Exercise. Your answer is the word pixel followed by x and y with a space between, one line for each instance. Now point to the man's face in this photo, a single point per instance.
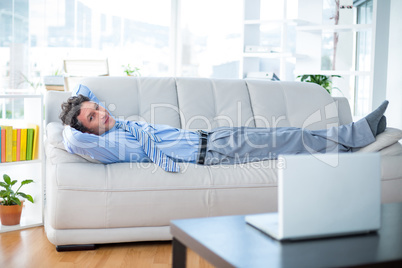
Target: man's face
pixel 95 118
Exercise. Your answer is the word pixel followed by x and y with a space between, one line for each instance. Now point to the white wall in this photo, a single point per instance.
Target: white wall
pixel 394 76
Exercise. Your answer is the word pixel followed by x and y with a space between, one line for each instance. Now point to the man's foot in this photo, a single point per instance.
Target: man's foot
pixel 382 125
pixel 374 118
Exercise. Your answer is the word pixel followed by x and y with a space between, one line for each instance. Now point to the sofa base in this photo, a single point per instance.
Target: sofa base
pixel 79 237
pixel 62 248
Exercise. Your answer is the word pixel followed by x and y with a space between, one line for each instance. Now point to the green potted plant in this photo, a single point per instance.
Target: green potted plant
pixel 11 206
pixel 35 84
pixel 131 71
pixel 322 80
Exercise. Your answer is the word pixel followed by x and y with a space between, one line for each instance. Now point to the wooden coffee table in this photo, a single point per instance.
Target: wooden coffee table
pixel 229 242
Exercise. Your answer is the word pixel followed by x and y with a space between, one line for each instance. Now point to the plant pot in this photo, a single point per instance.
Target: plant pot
pixel 10 215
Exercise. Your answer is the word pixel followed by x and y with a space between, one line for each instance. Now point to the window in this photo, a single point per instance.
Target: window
pixel 36 36
pixel 13 42
pixel 211 38
pixel 125 32
pixel 363 58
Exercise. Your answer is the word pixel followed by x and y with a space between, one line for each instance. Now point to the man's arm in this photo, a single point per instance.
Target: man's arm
pixel 111 147
pixel 85 91
pixel 99 148
pixel 107 149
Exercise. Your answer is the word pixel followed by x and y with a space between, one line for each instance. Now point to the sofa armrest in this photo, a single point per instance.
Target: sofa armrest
pixel 383 140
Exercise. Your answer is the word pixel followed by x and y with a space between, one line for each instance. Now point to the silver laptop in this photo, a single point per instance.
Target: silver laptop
pixel 324 195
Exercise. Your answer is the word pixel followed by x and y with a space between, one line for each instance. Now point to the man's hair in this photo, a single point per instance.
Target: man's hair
pixel 71 110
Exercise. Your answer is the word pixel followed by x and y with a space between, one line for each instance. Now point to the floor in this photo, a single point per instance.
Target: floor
pixel 30 248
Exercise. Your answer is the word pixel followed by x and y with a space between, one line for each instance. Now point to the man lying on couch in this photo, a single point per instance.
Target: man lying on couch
pixel 95 132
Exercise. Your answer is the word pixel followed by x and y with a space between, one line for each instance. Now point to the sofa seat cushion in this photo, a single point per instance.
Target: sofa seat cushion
pixel 130 195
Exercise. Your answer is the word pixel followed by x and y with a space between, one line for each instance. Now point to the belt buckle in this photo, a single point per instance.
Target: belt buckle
pixel 203 134
pixel 203 146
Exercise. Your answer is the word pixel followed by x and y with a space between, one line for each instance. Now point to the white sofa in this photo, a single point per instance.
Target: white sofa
pixel 91 203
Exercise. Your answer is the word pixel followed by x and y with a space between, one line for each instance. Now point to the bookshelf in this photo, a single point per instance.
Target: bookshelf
pixel 19 110
pixel 296 37
pixel 344 48
pixel 269 39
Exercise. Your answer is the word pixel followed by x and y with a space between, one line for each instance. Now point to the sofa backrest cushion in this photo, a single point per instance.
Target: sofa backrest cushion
pixel 308 105
pixel 209 103
pixel 201 103
pixel 145 99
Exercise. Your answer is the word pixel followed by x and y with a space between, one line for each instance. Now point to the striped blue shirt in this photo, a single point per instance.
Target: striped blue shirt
pixel 117 145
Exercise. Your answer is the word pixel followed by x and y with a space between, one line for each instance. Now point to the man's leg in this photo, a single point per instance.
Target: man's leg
pixel 354 135
pixel 382 125
pixel 240 145
pixel 375 119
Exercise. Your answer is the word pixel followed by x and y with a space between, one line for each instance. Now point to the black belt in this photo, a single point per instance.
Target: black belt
pixel 203 146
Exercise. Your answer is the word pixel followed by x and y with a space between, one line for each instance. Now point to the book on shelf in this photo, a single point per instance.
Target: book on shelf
pixel 9 143
pixel 3 144
pixel 35 141
pixel 30 133
pixel 0 144
pixel 257 49
pixel 18 153
pixel 54 87
pixel 19 144
pixel 263 75
pixel 14 144
pixel 23 146
pixel 262 49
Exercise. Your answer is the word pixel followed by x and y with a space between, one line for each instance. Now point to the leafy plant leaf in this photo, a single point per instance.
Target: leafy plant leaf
pixel 9 196
pixel 8 192
pixel 2 193
pixel 26 196
pixel 322 80
pixel 6 179
pixel 15 200
pixel 30 198
pixel 26 182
